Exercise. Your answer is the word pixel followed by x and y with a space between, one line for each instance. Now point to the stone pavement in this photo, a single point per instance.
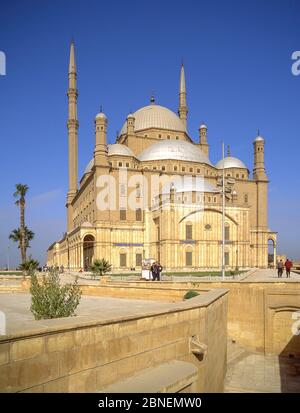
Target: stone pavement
pixel 264 275
pixel 256 373
pixel 16 307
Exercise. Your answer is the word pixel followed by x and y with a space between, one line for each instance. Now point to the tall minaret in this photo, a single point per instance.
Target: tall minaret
pixel 183 109
pixel 203 139
pixel 259 171
pixel 100 152
pixel 260 176
pixel 72 136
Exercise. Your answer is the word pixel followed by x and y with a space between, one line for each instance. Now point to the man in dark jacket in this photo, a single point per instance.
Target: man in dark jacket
pixel 288 265
pixel 156 269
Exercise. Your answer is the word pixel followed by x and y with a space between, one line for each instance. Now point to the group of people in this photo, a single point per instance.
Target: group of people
pixel 287 265
pixel 47 268
pixel 156 269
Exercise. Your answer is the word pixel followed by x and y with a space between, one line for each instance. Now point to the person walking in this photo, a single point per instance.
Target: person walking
pixel 279 268
pixel 288 265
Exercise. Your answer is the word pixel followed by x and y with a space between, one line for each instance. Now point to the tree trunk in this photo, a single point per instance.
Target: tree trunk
pixel 22 230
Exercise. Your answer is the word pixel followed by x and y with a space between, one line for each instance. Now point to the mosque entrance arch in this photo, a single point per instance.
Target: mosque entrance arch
pixel 88 251
pixel 271 253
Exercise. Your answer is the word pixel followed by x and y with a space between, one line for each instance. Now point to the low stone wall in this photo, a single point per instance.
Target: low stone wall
pixel 83 354
pixel 261 315
pixel 141 290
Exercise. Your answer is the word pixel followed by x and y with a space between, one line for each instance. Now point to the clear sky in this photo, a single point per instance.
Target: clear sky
pixel 237 57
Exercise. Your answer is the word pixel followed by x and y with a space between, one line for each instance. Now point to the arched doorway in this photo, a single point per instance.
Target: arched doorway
pixel 88 251
pixel 271 253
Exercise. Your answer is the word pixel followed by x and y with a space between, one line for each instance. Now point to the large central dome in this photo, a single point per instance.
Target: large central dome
pixel 174 149
pixel 155 116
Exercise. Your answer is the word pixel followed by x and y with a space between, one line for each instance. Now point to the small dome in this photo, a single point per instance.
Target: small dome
pixel 174 149
pixel 155 116
pixel 202 126
pixel 114 149
pixel 259 139
pixel 230 162
pixel 119 149
pixel 130 116
pixel 101 115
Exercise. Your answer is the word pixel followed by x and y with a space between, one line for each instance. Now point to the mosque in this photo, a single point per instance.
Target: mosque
pixel 154 193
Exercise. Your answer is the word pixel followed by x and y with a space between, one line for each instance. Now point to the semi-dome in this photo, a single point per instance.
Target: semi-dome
pixel 119 149
pixel 231 162
pixel 89 166
pixel 113 149
pixel 174 149
pixel 155 116
pixel 188 184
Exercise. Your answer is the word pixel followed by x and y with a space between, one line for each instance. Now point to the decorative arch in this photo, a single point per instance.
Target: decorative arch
pixel 211 210
pixel 272 252
pixel 88 250
pixel 189 256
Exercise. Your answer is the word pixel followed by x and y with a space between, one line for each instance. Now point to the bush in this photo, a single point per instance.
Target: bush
pixel 29 266
pixel 51 300
pixel 100 267
pixel 190 294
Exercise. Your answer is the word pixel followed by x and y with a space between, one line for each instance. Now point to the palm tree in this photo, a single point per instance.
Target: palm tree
pixel 100 267
pixel 20 193
pixel 29 266
pixel 15 236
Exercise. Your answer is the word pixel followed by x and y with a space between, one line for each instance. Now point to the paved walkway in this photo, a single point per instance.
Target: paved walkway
pixel 255 373
pixel 16 307
pixel 271 275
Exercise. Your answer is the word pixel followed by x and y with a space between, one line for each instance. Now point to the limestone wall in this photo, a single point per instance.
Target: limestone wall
pixel 81 354
pixel 261 315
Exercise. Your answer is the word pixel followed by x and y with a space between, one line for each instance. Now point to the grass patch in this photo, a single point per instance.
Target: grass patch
pixel 11 273
pixel 183 274
pixel 201 273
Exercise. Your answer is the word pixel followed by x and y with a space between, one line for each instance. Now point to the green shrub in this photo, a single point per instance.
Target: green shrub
pixel 100 267
pixel 29 266
pixel 190 294
pixel 51 300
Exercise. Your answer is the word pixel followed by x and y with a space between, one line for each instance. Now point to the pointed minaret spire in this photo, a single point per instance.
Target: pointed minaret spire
pixel 72 64
pixel 182 110
pixel 72 135
pixel 182 79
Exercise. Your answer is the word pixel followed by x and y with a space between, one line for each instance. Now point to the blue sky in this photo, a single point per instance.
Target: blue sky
pixel 237 58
